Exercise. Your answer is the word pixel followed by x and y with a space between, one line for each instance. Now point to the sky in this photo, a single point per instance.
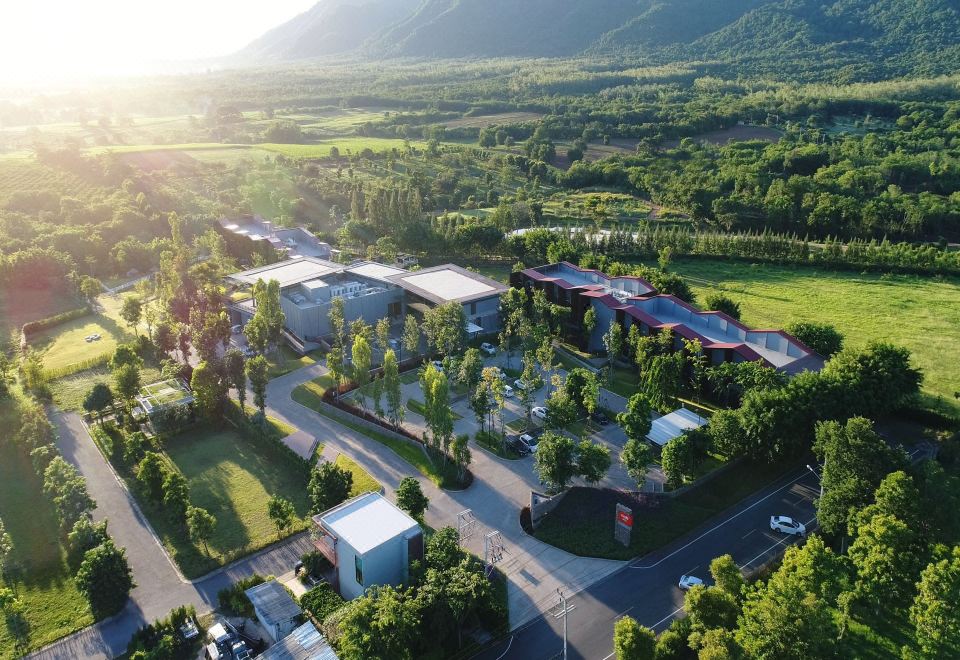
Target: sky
pixel 44 40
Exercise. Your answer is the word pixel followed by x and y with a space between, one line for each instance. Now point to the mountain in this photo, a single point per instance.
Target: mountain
pixel 913 35
pixel 330 27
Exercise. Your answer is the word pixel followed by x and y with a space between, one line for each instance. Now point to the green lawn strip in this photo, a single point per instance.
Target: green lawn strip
pixel 410 377
pixel 310 394
pixel 418 407
pixel 362 481
pixel 583 522
pixel 286 360
pixel 52 606
pixel 520 425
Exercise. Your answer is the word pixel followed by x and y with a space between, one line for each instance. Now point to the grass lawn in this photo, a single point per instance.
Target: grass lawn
pixel 286 360
pixel 418 407
pixel 310 395
pixel 583 522
pixel 921 313
pixel 362 481
pixel 233 479
pixel 18 307
pixel 492 443
pixel 52 606
pixel 410 377
pixel 69 391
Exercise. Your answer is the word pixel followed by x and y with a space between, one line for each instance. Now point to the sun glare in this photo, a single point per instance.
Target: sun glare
pixel 64 40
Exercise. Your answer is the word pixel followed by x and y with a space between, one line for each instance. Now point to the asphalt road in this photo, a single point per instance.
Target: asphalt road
pixel 646 589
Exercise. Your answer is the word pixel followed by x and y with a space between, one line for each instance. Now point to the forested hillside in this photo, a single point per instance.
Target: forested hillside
pixel 804 39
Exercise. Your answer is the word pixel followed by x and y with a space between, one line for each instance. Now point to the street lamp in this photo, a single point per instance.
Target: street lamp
pixel 819 478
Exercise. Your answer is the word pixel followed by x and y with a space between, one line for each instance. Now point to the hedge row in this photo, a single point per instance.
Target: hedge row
pixel 76 367
pixel 51 321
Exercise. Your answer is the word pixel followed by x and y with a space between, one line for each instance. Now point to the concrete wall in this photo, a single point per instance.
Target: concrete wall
pixel 388 563
pixel 346 571
pixel 541 505
pixel 485 313
pixel 311 320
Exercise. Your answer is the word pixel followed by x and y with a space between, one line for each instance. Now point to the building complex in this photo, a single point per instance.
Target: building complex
pixel 632 301
pixel 370 291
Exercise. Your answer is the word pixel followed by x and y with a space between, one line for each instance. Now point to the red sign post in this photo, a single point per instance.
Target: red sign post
pixel 623 524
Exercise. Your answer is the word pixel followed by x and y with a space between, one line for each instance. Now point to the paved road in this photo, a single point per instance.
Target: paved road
pixel 647 590
pixel 160 587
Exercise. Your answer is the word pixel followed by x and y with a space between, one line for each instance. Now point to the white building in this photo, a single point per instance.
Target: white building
pixel 369 541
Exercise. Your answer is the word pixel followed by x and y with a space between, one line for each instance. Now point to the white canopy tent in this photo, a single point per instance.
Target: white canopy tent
pixel 673 425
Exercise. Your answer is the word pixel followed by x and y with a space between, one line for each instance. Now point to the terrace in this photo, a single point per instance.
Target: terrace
pixel 166 393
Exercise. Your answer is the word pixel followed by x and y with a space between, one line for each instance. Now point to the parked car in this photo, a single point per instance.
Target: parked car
pixel 240 651
pixel 488 348
pixel 237 329
pixel 394 344
pixel 189 629
pixel 248 351
pixel 507 391
pixel 530 441
pixel 787 525
pixel 688 582
pixel 519 384
pixel 539 411
pixel 599 418
pixel 519 446
pixel 438 365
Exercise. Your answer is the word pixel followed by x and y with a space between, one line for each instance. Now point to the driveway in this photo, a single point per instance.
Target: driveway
pixel 534 570
pixel 160 587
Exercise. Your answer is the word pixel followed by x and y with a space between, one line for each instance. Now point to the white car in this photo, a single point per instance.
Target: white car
pixel 530 441
pixel 488 348
pixel 438 365
pixel 237 329
pixel 787 525
pixel 507 391
pixel 688 582
pixel 539 411
pixel 519 384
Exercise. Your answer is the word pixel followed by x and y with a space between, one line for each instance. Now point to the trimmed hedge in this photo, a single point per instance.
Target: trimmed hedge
pixel 76 367
pixel 321 601
pixel 31 327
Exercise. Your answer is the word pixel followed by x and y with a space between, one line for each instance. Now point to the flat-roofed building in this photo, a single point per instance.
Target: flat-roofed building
pixel 370 541
pixel 370 291
pixel 632 301
pixel 275 609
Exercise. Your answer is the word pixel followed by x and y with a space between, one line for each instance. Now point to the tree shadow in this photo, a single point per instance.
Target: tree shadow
pixel 19 629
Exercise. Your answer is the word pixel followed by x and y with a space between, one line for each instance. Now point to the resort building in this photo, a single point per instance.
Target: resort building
pixel 634 301
pixel 370 541
pixel 291 241
pixel 370 291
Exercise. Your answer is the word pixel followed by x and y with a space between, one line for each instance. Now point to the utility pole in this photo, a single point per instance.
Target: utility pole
pixel 563 604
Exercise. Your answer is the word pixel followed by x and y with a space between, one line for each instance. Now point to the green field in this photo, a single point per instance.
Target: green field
pixel 19 307
pixel 319 149
pixel 52 606
pixel 920 313
pixel 232 479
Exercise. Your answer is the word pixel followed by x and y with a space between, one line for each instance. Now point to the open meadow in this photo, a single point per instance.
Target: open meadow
pixel 920 313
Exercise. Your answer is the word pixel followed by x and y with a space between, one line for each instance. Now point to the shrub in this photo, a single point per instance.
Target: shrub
pixel 51 321
pixel 234 601
pixel 315 563
pixel 321 601
pixel 161 640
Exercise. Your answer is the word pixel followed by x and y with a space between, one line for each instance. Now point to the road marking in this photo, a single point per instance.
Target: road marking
pixel 785 538
pixel 748 534
pixel 669 616
pixel 719 525
pixel 507 650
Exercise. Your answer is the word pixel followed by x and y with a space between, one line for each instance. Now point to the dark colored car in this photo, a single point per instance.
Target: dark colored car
pixel 600 418
pixel 519 446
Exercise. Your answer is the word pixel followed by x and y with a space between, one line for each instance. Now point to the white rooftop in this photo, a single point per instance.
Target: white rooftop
pixel 448 284
pixel 375 270
pixel 367 521
pixel 671 426
pixel 289 272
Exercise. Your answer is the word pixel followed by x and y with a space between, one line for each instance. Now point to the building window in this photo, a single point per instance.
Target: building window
pixel 358 566
pixel 473 308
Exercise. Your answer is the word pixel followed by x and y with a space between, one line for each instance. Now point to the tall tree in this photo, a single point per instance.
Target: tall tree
pixel 556 460
pixel 105 579
pixel 383 623
pixel 885 556
pixel 593 461
pixel 98 399
pixel 631 641
pixel 209 391
pixel 329 486
pixel 127 381
pixel 460 449
pixel 446 328
pixel 200 526
pixel 821 337
pixel 362 356
pixel 411 499
pixel 281 513
pixel 934 613
pixel 411 336
pixel 131 311
pixel 392 387
pixel 235 366
pixel 258 371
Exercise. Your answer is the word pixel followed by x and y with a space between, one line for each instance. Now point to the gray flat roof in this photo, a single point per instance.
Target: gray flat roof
pixel 273 602
pixel 446 283
pixel 376 271
pixel 290 272
pixel 367 521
